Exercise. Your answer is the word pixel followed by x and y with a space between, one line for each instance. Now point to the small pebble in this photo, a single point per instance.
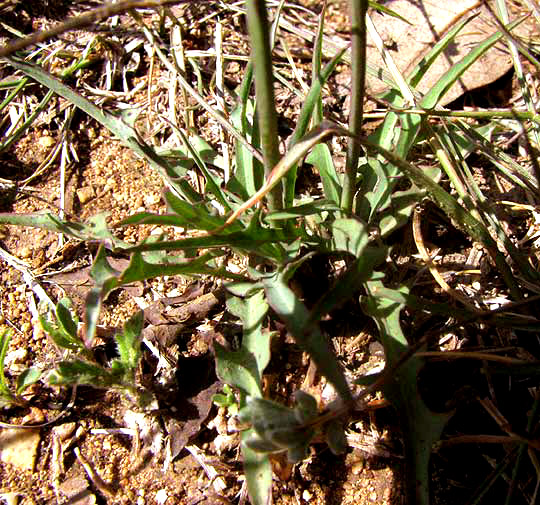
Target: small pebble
pixel 151 200
pixel 25 252
pixel 357 467
pixel 85 194
pixel 17 356
pixel 161 496
pixel 46 141
pixel 306 495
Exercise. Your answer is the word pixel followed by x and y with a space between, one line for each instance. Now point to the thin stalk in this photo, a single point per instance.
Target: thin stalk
pixel 358 65
pixel 518 115
pixel 31 118
pixel 261 56
pixel 21 84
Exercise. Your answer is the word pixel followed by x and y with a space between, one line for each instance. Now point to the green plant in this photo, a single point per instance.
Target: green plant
pixel 120 373
pixel 352 220
pixel 227 400
pixel 8 396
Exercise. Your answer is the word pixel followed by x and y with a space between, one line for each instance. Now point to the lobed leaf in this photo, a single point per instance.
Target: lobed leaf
pixel 27 378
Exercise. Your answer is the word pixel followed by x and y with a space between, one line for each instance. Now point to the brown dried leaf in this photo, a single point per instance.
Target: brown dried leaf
pixel 430 20
pixel 199 407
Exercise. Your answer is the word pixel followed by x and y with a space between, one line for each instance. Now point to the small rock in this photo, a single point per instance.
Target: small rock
pixel 18 447
pixel 10 498
pixel 85 194
pixel 225 443
pixel 19 355
pixel 357 468
pixel 306 495
pixel 64 431
pixel 46 141
pixel 77 491
pixel 161 496
pixel 376 349
pixel 151 199
pixel 25 252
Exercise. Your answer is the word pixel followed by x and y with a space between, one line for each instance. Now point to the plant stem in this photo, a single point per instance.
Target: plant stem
pixel 358 10
pixel 261 57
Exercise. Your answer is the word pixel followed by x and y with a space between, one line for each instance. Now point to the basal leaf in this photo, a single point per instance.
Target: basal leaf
pixel 261 445
pixel 349 235
pixel 239 369
pixel 335 436
pixel 255 339
pixel 61 338
pixel 128 342
pixel 321 158
pixel 92 310
pixel 102 272
pixel 317 208
pixel 27 378
pixel 65 318
pixel 5 337
pixel 258 470
pixel 77 372
pixel 421 427
pixel 297 453
pixel 305 409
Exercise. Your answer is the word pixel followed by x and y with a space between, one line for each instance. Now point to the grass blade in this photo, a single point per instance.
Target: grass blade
pixel 434 95
pixel 302 125
pixel 119 128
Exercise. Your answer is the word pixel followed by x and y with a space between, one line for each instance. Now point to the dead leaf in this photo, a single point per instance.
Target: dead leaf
pixel 181 431
pixel 77 491
pixel 430 20
pixel 180 309
pixel 78 282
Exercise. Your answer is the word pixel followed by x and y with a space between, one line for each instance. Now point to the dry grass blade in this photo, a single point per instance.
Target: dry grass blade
pixel 418 239
pixel 85 19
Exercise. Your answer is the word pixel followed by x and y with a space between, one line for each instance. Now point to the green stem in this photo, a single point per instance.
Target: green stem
pixel 261 56
pixel 358 64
